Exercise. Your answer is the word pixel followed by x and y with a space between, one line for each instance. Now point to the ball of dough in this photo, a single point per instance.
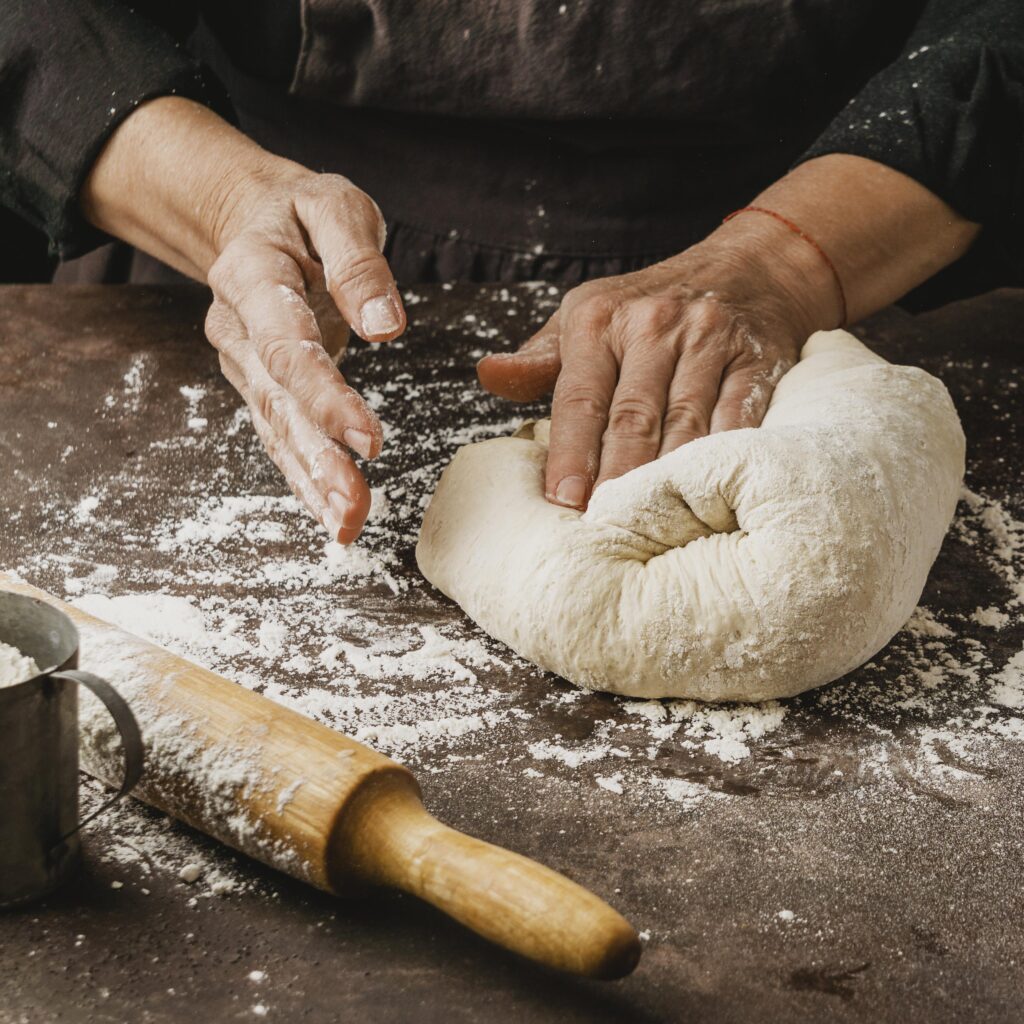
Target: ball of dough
pixel 746 565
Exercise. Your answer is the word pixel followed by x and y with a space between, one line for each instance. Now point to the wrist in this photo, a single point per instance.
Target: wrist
pixel 182 211
pixel 795 277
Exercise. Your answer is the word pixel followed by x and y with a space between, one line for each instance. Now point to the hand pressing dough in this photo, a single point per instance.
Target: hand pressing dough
pixel 746 565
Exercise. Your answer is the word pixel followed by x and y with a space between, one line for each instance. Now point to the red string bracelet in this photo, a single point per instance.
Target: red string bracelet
pixel 797 230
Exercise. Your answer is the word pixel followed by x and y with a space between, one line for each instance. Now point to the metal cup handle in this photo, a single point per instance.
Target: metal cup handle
pixel 131 738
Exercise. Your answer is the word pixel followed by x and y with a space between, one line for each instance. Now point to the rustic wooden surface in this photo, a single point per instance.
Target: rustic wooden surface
pixel 906 895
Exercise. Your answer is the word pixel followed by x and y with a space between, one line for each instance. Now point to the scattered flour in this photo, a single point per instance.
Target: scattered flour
pixel 724 730
pixel 1004 536
pixel 234 575
pixel 147 844
pixel 690 794
pixel 287 795
pixel 162 618
pixel 85 509
pixel 1009 683
pixel 249 518
pixel 991 617
pixel 546 750
pixel 389 659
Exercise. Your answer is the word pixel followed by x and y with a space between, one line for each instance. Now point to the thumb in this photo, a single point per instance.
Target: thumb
pixel 528 373
pixel 346 228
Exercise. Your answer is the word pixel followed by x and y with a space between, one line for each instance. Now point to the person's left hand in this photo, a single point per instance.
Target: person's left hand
pixel 643 363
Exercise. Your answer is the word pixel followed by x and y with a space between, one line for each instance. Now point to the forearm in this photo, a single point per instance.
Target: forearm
pixel 62 95
pixel 884 232
pixel 949 113
pixel 167 181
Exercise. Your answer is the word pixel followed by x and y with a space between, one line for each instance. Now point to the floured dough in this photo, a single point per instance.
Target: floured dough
pixel 746 565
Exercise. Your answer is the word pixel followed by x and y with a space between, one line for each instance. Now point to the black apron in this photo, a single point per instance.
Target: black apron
pixel 547 141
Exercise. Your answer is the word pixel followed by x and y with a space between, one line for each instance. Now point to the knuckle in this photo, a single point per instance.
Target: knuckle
pixel 322 404
pixel 246 270
pixel 340 198
pixel 278 356
pixel 263 399
pixel 685 414
pixel 268 403
pixel 362 268
pixel 221 274
pixel 580 401
pixel 632 417
pixel 365 208
pixel 216 326
pixel 331 185
pixel 655 315
pixel 707 315
pixel 592 312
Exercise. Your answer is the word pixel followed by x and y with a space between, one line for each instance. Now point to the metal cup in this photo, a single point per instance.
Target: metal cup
pixel 39 842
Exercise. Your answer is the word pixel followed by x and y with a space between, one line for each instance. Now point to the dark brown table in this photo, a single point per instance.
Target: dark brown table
pixel 859 857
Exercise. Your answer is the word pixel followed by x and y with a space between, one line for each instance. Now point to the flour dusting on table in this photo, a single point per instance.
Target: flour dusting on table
pixel 216 562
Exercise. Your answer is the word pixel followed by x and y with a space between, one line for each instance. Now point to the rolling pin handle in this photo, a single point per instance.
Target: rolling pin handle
pixel 388 838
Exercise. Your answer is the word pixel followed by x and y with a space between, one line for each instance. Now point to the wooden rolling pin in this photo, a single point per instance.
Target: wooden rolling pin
pixel 309 801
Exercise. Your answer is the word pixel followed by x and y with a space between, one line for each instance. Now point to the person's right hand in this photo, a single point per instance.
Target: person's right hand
pixel 291 257
pixel 304 243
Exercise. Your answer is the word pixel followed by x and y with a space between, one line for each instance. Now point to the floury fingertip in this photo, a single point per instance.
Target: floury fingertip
pixel 331 523
pixel 379 316
pixel 359 441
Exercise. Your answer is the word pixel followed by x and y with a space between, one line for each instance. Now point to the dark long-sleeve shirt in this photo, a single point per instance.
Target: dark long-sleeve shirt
pixel 949 113
pixel 937 93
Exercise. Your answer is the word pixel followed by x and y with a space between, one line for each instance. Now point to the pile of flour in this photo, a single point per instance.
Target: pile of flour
pixel 15 667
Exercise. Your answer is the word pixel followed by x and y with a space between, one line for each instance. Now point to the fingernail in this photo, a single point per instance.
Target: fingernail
pixel 343 510
pixel 359 441
pixel 331 523
pixel 571 491
pixel 379 316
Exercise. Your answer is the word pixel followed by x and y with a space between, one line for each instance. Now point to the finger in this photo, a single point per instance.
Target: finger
pixel 528 373
pixel 264 286
pixel 322 476
pixel 347 231
pixel 333 330
pixel 579 415
pixel 743 398
pixel 281 455
pixel 298 441
pixel 339 523
pixel 691 397
pixel 635 419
